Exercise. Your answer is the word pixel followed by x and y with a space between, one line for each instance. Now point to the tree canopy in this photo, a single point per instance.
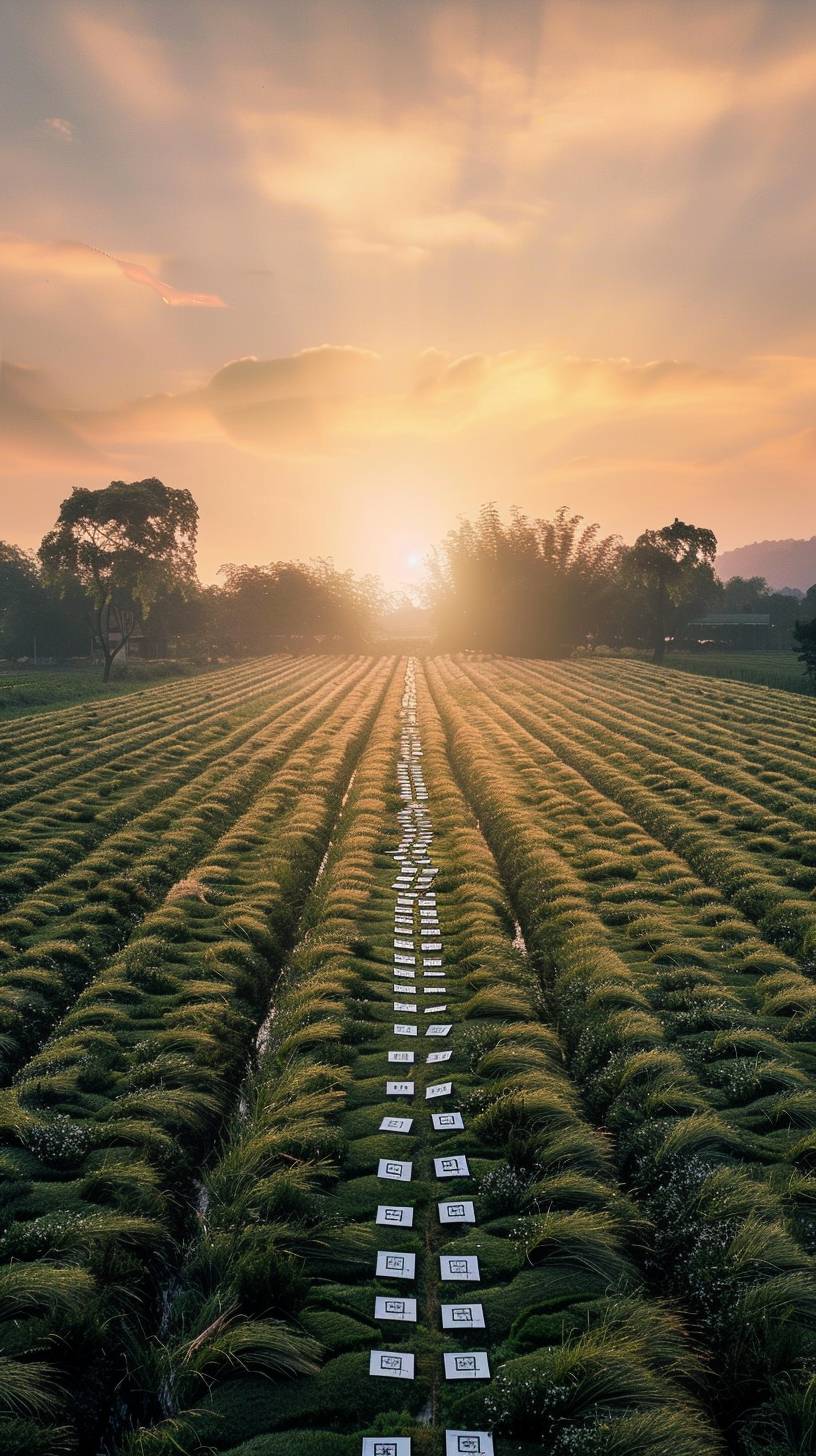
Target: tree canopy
pixel 531 587
pixel 125 545
pixel 673 569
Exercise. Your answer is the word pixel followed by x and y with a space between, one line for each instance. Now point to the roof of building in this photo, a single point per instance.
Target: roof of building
pixel 733 619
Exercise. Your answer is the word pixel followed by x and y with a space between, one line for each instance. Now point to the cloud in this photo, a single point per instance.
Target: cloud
pixel 381 188
pixel 131 64
pixel 80 260
pixel 339 399
pixel 58 127
pixel 32 433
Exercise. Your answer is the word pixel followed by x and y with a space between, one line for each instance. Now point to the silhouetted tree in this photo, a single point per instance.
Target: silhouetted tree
pixel 805 640
pixel 673 570
pixel 124 545
pixel 289 603
pixel 528 587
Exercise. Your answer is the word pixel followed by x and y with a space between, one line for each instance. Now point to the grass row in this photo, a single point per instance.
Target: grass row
pixel 707 826
pixel 52 830
pixel 97 745
pixel 723 995
pixel 26 691
pixel 722 1243
pixel 103 1135
pixel 55 939
pixel 720 752
pixel 267 1349
pixel 771 669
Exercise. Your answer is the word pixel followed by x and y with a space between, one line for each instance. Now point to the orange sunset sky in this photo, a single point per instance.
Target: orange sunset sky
pixel 348 268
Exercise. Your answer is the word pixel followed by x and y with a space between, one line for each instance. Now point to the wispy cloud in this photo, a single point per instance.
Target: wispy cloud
pixel 57 126
pixel 80 261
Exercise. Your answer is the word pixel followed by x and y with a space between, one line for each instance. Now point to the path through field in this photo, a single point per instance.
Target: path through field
pixel 410 1057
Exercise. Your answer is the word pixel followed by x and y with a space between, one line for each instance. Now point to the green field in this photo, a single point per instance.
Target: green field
pixel 773 669
pixel 342 995
pixel 27 690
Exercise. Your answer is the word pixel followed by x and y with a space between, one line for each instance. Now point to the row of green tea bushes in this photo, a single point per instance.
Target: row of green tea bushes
pixel 55 940
pixel 720 1242
pixel 98 750
pixel 753 742
pixel 585 1358
pixel 26 735
pixel 631 875
pixel 755 724
pixel 768 779
pixel 105 1130
pixel 281 1275
pixel 782 716
pixel 29 744
pixel 47 834
pixel 772 669
pixel 648 787
pixel 271 1232
pixel 691 972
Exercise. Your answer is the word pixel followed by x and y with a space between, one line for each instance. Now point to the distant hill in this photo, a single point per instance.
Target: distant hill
pixel 782 563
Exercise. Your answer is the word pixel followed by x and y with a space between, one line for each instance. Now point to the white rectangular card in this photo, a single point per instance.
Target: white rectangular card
pixel 395 1446
pixel 394 1170
pixel 435 1056
pixel 471 1366
pixel 462 1267
pixel 461 1443
pixel 453 1167
pixel 396 1124
pixel 438 1089
pixel 404 1029
pixel 397 1364
pixel 437 1030
pixel 447 1121
pixel 393 1265
pixel 395 1215
pixel 456 1210
pixel 399 1089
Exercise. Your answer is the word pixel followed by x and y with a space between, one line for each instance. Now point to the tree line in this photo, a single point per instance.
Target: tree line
pixel 118 568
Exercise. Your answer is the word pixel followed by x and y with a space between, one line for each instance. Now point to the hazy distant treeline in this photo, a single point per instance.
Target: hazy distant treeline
pixel 118 569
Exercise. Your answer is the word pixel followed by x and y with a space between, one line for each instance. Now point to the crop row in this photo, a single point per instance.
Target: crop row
pixel 673 1066
pixel 771 762
pixel 700 967
pixel 271 1333
pixel 104 1132
pixel 67 748
pixel 699 822
pixel 51 831
pixel 55 939
pixel 105 756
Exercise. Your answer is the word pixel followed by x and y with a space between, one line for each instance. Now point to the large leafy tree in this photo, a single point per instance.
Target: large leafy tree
pixel 673 571
pixel 126 545
pixel 530 587
pixel 290 603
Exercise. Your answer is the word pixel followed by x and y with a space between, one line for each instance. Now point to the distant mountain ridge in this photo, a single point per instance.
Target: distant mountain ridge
pixel 789 563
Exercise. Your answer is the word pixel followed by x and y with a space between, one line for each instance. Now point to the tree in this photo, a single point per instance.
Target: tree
pixel 530 587
pixel 805 635
pixel 20 600
pixel 291 604
pixel 125 545
pixel 673 569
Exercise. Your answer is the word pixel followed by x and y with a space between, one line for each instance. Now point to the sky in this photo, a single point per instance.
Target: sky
pixel 347 269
